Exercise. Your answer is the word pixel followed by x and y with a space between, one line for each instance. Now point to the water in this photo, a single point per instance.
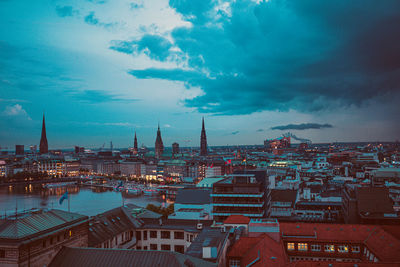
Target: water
pixel 84 200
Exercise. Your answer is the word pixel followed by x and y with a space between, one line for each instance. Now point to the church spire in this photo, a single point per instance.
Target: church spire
pixel 135 146
pixel 43 147
pixel 159 147
pixel 203 140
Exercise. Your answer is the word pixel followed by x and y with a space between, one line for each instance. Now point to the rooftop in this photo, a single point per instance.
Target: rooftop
pixel 92 257
pixel 38 223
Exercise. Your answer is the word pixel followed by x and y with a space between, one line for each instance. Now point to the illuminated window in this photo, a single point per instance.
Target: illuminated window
pixel 343 249
pixel 290 246
pixel 329 248
pixel 355 249
pixel 315 247
pixel 70 233
pixel 302 246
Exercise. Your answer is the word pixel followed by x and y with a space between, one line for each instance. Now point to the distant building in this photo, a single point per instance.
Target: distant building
pixel 193 204
pixel 203 140
pixel 281 203
pixel 159 146
pixel 34 239
pixel 79 149
pixel 175 148
pixel 19 150
pixel 368 205
pixel 239 194
pixel 43 147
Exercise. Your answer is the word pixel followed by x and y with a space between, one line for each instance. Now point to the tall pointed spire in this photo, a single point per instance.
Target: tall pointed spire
pixel 43 147
pixel 203 140
pixel 135 147
pixel 159 147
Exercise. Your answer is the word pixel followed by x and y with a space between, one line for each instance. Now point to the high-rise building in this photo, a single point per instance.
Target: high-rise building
pixel 43 147
pixel 175 148
pixel 203 141
pixel 159 144
pixel 19 149
pixel 135 146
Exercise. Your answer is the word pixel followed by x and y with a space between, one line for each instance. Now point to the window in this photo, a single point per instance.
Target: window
pixel 179 248
pixel 290 246
pixel 165 235
pixel 153 246
pixel 329 248
pixel 138 235
pixel 144 235
pixel 44 244
pixel 187 237
pixel 179 235
pixel 234 263
pixel 343 249
pixel 2 253
pixel 315 247
pixel 355 249
pixel 138 247
pixel 153 234
pixel 58 238
pixel 302 246
pixel 165 247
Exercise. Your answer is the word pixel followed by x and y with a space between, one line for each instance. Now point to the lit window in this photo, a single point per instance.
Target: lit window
pixel 302 246
pixel 234 263
pixel 355 249
pixel 290 246
pixel 315 247
pixel 329 248
pixel 343 249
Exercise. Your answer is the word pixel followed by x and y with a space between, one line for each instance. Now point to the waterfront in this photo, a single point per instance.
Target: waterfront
pixel 83 199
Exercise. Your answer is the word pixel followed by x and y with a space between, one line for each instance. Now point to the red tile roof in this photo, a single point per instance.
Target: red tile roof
pixel 237 219
pixel 261 251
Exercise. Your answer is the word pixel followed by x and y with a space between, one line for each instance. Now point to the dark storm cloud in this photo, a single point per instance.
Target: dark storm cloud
pixel 302 126
pixel 306 55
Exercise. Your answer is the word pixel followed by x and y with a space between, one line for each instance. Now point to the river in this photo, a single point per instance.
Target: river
pixel 82 199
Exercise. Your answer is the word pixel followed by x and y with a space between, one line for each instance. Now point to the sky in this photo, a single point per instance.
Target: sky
pixel 102 69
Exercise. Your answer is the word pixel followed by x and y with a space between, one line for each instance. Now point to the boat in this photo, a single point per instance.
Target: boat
pixel 54 185
pixel 131 192
pixel 150 192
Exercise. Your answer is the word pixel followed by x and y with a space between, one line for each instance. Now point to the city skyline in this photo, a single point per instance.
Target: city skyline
pixel 254 69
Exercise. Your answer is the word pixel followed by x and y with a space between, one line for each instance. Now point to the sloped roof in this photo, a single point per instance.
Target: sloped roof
pixel 261 251
pixel 196 196
pixel 237 219
pixel 38 223
pixel 93 257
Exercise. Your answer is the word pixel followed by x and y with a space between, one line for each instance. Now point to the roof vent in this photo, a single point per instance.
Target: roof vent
pixel 199 226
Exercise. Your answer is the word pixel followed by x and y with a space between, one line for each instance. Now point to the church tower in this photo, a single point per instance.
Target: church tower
pixel 159 144
pixel 203 141
pixel 135 147
pixel 43 147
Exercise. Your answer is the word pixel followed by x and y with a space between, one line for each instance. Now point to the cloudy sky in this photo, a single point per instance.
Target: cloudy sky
pixel 99 69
